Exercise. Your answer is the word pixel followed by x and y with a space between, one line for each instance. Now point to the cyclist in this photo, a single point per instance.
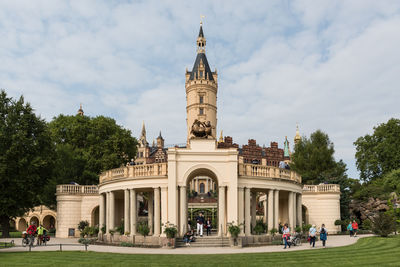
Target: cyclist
pixel 31 232
pixel 40 231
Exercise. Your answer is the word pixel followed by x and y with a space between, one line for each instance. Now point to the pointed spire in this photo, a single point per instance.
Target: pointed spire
pixel 286 150
pixel 159 136
pixel 201 34
pixel 142 140
pixel 221 138
pixel 143 130
pixel 80 110
pixel 297 138
pixel 201 40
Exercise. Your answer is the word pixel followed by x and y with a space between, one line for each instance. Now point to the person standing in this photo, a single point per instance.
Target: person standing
pixel 31 232
pixel 200 224
pixel 350 228
pixel 286 235
pixel 354 225
pixel 40 231
pixel 312 233
pixel 323 234
pixel 208 226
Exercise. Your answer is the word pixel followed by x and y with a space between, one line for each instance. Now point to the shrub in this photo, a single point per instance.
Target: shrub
pixel 126 244
pixel 143 229
pixel 121 227
pixel 233 229
pixel 82 225
pixel 366 224
pixel 383 224
pixel 103 229
pixel 273 231
pixel 260 227
pixel 306 228
pixel 297 229
pixel 170 230
pixel 276 242
pixel 111 231
pixel 87 241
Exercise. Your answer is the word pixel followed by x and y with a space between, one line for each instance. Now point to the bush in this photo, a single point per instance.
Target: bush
pixel 306 228
pixel 121 227
pixel 143 229
pixel 87 241
pixel 170 230
pixel 276 242
pixel 233 229
pixel 103 229
pixel 297 229
pixel 82 225
pixel 366 224
pixel 260 227
pixel 383 224
pixel 273 231
pixel 126 244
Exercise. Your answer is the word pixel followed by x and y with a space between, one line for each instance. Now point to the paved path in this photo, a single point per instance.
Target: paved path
pixel 333 241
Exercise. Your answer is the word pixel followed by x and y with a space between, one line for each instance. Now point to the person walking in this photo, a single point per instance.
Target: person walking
pixel 286 235
pixel 354 225
pixel 208 226
pixel 312 233
pixel 350 228
pixel 323 234
pixel 200 224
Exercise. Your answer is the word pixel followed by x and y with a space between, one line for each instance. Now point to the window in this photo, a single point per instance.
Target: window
pixel 201 74
pixel 201 99
pixel 201 111
pixel 202 188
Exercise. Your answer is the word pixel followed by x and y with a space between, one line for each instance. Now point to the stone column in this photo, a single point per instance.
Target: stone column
pixel 294 210
pixel 253 210
pixel 151 213
pixel 112 210
pixel 156 211
pixel 299 210
pixel 127 223
pixel 270 209
pixel 247 227
pixel 183 209
pixel 290 210
pixel 164 207
pixel 241 209
pixel 265 209
pixel 207 189
pixel 276 209
pixel 221 211
pixel 133 212
pixel 102 209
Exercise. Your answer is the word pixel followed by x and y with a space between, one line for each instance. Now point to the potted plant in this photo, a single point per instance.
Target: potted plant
pixel 234 230
pixel 111 232
pixel 170 231
pixel 144 230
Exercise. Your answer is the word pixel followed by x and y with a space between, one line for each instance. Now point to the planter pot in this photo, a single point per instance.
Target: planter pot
pixel 169 243
pixel 236 242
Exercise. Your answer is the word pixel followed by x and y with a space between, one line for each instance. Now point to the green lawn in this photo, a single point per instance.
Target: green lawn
pixel 14 234
pixel 372 251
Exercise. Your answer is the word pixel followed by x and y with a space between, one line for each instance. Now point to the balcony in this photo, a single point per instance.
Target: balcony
pixel 322 188
pixel 70 189
pixel 135 171
pixel 254 170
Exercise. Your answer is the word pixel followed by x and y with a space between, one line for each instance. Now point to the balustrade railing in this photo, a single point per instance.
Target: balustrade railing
pixel 321 188
pixel 145 170
pixel 268 172
pixel 71 189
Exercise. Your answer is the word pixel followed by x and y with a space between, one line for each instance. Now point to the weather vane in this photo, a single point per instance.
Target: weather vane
pixel 201 19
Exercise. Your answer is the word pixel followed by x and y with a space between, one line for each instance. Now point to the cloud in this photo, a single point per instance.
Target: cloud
pixel 331 65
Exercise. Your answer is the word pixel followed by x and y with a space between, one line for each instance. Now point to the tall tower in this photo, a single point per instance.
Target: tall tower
pixel 201 91
pixel 297 138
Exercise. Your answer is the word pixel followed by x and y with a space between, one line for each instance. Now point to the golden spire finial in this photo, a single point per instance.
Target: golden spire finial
pixel 221 138
pixel 297 138
pixel 80 110
pixel 201 19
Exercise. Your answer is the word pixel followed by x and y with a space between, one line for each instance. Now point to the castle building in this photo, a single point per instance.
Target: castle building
pixel 229 183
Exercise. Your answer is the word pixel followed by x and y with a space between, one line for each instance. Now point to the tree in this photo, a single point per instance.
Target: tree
pixel 314 160
pixel 25 158
pixel 378 154
pixel 85 147
pixel 383 224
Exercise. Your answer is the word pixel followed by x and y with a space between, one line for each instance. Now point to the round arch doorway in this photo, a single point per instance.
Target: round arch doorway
pixel 200 197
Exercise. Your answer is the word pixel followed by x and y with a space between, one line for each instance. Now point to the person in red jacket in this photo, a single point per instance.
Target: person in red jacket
pixel 355 227
pixel 31 229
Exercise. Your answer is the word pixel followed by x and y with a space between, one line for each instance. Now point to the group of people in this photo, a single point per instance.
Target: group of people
pixel 352 227
pixel 312 233
pixel 201 223
pixel 40 231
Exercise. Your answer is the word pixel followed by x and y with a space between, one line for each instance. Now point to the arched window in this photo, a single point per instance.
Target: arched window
pixel 202 188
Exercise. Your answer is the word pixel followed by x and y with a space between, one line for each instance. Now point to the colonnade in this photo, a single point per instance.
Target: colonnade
pixel 247 211
pixel 156 203
pixel 209 184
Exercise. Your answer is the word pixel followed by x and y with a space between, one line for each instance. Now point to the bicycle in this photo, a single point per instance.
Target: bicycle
pixel 27 239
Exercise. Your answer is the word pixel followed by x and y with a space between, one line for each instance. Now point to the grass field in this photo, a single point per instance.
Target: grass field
pixel 371 251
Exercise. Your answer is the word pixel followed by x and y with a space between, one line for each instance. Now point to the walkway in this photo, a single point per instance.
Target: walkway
pixel 333 241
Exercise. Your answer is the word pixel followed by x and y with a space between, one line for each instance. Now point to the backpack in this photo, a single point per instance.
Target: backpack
pixel 323 231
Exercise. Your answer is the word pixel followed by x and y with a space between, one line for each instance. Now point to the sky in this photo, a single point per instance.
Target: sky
pixel 329 65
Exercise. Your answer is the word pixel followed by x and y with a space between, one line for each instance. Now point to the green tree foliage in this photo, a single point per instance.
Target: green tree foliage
pixel 378 154
pixel 314 160
pixel 85 147
pixel 383 224
pixel 25 158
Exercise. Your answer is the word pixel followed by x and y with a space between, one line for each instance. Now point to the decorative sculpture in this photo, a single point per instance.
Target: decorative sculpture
pixel 201 129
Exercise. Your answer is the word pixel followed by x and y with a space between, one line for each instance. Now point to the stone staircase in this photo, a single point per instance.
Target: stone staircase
pixel 205 241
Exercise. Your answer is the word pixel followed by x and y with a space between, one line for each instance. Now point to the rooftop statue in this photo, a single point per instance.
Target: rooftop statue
pixel 201 129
